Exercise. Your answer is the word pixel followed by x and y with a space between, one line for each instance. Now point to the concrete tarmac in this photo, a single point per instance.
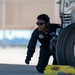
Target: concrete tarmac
pixel 14 69
pixel 12 62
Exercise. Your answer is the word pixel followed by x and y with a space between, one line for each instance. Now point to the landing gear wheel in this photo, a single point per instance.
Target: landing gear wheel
pixel 65 49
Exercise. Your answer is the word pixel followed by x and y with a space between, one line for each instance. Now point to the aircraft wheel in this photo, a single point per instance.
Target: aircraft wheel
pixel 65 49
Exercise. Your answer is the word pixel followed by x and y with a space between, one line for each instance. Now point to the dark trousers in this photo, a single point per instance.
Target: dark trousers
pixel 44 56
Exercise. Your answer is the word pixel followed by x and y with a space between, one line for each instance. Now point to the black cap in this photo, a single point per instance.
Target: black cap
pixel 43 17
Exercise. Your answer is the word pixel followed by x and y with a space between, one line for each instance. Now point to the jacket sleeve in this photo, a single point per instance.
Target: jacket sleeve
pixel 57 25
pixel 32 44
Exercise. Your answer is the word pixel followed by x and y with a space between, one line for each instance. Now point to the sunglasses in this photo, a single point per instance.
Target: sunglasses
pixel 39 23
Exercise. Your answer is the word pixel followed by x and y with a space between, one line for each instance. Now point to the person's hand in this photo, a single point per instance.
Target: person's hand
pixel 27 60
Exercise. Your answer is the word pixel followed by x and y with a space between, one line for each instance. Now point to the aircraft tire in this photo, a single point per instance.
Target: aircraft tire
pixel 65 53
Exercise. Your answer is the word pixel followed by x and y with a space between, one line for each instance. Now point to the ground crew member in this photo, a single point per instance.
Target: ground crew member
pixel 43 33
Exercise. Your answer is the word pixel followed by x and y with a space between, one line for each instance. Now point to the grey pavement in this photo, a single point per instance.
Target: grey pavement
pixel 14 69
pixel 12 62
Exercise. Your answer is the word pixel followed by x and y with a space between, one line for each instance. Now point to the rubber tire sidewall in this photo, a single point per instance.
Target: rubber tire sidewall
pixel 62 44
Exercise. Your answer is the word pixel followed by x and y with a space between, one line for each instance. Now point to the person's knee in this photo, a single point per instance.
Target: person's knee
pixel 39 69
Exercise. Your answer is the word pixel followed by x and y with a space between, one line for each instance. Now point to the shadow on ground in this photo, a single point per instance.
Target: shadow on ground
pixel 14 69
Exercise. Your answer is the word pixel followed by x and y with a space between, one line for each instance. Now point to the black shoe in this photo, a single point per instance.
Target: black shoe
pixel 40 70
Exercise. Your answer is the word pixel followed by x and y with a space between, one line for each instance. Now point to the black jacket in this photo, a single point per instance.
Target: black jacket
pixel 43 38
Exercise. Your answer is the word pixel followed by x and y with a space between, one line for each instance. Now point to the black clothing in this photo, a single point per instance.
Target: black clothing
pixel 44 39
pixel 43 58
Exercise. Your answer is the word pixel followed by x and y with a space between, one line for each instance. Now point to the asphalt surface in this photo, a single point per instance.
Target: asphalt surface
pixel 12 62
pixel 14 69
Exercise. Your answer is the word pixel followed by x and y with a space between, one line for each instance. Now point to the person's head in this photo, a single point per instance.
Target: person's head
pixel 43 21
